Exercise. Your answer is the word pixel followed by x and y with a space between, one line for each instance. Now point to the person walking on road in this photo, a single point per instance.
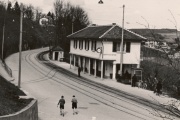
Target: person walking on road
pixel 74 105
pixel 134 80
pixel 79 71
pixel 155 84
pixel 61 105
pixel 159 87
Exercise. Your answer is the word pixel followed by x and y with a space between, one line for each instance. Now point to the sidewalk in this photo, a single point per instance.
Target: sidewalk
pixel 113 83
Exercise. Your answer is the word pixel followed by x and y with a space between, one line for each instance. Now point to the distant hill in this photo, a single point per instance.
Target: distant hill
pixel 167 35
pixel 154 30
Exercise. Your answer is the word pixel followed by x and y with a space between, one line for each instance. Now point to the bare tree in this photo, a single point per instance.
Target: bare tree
pixel 68 18
pixel 167 69
pixel 38 14
pixel 29 12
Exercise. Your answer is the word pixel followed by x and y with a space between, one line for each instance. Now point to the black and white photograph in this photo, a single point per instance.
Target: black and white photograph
pixel 89 59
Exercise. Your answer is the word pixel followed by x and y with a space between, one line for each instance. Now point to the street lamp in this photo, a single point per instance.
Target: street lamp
pixel 100 2
pixel 122 40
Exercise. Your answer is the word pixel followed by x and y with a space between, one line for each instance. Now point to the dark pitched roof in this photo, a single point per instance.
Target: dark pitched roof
pixel 57 48
pixel 112 32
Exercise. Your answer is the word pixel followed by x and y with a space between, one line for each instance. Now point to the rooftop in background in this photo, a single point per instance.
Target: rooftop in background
pixel 57 48
pixel 107 32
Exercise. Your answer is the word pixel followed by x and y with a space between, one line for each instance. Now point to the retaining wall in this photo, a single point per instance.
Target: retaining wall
pixel 30 112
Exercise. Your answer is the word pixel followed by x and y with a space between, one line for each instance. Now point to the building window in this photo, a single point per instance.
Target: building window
pixel 75 44
pixel 86 45
pixel 116 46
pixel 93 46
pixel 80 44
pixel 126 46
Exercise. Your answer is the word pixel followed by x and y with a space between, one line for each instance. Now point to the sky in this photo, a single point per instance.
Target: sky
pixel 137 13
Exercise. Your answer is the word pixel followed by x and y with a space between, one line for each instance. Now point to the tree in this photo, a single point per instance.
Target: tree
pixel 38 14
pixel 16 9
pixel 29 14
pixel 34 36
pixel 68 17
pixel 165 67
pixel 9 7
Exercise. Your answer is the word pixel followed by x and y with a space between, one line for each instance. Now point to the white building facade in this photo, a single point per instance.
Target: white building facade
pixel 96 49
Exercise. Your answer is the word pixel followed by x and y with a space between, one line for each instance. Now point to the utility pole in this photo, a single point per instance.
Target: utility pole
pixel 20 44
pixel 3 32
pixel 3 41
pixel 122 40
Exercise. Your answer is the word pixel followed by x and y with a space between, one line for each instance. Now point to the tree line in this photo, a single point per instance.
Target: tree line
pixel 66 19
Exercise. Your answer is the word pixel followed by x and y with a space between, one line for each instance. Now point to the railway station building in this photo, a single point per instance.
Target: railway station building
pixel 96 49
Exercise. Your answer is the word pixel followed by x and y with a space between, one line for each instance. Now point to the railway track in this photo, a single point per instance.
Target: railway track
pixel 114 93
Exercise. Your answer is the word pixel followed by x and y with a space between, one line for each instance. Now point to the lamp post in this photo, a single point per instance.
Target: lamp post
pixel 20 44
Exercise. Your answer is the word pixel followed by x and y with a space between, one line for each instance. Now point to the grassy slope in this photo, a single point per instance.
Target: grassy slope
pixel 9 98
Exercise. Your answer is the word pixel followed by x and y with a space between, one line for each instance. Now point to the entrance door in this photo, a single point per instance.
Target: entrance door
pixel 56 55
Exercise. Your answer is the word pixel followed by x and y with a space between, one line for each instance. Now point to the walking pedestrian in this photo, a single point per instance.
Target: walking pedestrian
pixel 79 71
pixel 155 84
pixel 61 105
pixel 159 87
pixel 134 80
pixel 74 105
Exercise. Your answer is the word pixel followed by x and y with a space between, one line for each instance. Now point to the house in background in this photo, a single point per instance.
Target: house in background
pixel 161 39
pixel 151 43
pixel 57 53
pixel 96 49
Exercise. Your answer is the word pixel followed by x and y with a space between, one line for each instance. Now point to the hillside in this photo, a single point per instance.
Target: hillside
pixel 9 100
pixel 167 35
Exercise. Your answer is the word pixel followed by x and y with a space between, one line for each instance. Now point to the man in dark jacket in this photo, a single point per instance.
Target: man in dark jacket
pixel 79 71
pixel 61 103
pixel 159 87
pixel 134 80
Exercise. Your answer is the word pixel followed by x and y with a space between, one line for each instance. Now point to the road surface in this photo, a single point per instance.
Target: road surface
pixel 48 83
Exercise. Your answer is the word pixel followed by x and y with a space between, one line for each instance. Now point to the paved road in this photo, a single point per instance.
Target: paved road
pixel 48 84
